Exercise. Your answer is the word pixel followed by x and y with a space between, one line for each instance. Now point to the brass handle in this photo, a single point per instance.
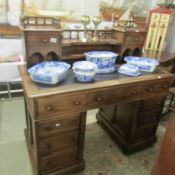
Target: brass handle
pixel 98 99
pixel 76 103
pixel 49 108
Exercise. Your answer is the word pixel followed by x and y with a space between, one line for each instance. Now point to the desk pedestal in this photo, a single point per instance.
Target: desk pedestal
pixel 132 125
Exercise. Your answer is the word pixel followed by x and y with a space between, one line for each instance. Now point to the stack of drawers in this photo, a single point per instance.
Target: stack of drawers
pixel 55 141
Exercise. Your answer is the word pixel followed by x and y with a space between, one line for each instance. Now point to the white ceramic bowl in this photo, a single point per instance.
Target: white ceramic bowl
pixel 84 71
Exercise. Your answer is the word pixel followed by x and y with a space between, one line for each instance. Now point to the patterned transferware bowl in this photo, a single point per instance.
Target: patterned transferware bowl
pixel 105 60
pixel 49 72
pixel 84 71
pixel 144 64
pixel 128 69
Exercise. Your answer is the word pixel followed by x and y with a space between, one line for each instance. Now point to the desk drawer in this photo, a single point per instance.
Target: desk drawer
pixel 42 38
pixel 154 88
pixel 59 104
pixel 59 159
pixel 107 97
pixel 53 127
pixel 135 38
pixel 58 142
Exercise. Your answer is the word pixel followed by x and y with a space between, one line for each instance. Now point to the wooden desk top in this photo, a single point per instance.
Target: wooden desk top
pixel 70 85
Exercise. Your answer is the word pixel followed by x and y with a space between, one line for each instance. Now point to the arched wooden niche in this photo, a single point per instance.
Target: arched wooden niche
pixel 137 52
pixel 52 56
pixel 35 58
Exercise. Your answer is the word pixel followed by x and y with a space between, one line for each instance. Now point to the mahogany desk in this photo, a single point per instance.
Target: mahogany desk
pixel 56 116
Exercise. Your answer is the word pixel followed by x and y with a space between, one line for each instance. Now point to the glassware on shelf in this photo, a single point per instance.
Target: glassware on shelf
pixel 96 21
pixel 85 19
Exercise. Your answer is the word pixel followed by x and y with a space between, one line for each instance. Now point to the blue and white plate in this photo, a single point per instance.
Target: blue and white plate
pixel 130 70
pixel 49 72
pixel 144 64
pixel 106 70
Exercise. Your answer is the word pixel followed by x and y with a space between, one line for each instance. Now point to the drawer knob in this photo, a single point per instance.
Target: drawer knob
pixel 48 129
pixel 98 99
pixel 134 93
pixel 49 147
pixel 149 89
pixel 45 41
pixel 165 86
pixel 49 108
pixel 57 125
pixel 136 39
pixel 76 103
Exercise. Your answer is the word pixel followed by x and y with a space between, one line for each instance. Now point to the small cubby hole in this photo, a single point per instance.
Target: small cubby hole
pixel 52 56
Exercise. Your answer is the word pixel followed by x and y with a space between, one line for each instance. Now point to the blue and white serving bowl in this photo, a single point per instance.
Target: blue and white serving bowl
pixel 105 60
pixel 130 70
pixel 144 64
pixel 84 71
pixel 49 72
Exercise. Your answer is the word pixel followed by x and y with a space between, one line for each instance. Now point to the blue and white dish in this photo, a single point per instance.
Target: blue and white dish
pixel 49 72
pixel 84 71
pixel 144 64
pixel 105 60
pixel 130 70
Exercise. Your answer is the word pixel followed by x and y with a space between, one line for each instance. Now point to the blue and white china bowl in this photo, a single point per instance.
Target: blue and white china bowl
pixel 49 72
pixel 128 69
pixel 105 60
pixel 84 71
pixel 144 64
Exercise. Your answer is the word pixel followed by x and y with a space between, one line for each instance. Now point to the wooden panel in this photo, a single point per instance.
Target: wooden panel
pixel 107 97
pixel 155 87
pixel 165 161
pixel 135 39
pixel 59 160
pixel 48 128
pixel 59 104
pixel 145 132
pixel 58 142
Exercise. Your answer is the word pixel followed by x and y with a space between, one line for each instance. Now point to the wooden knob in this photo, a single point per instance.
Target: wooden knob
pixel 48 129
pixel 134 93
pixel 136 39
pixel 49 108
pixel 49 147
pixel 76 103
pixel 165 86
pixel 149 89
pixel 98 99
pixel 45 41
